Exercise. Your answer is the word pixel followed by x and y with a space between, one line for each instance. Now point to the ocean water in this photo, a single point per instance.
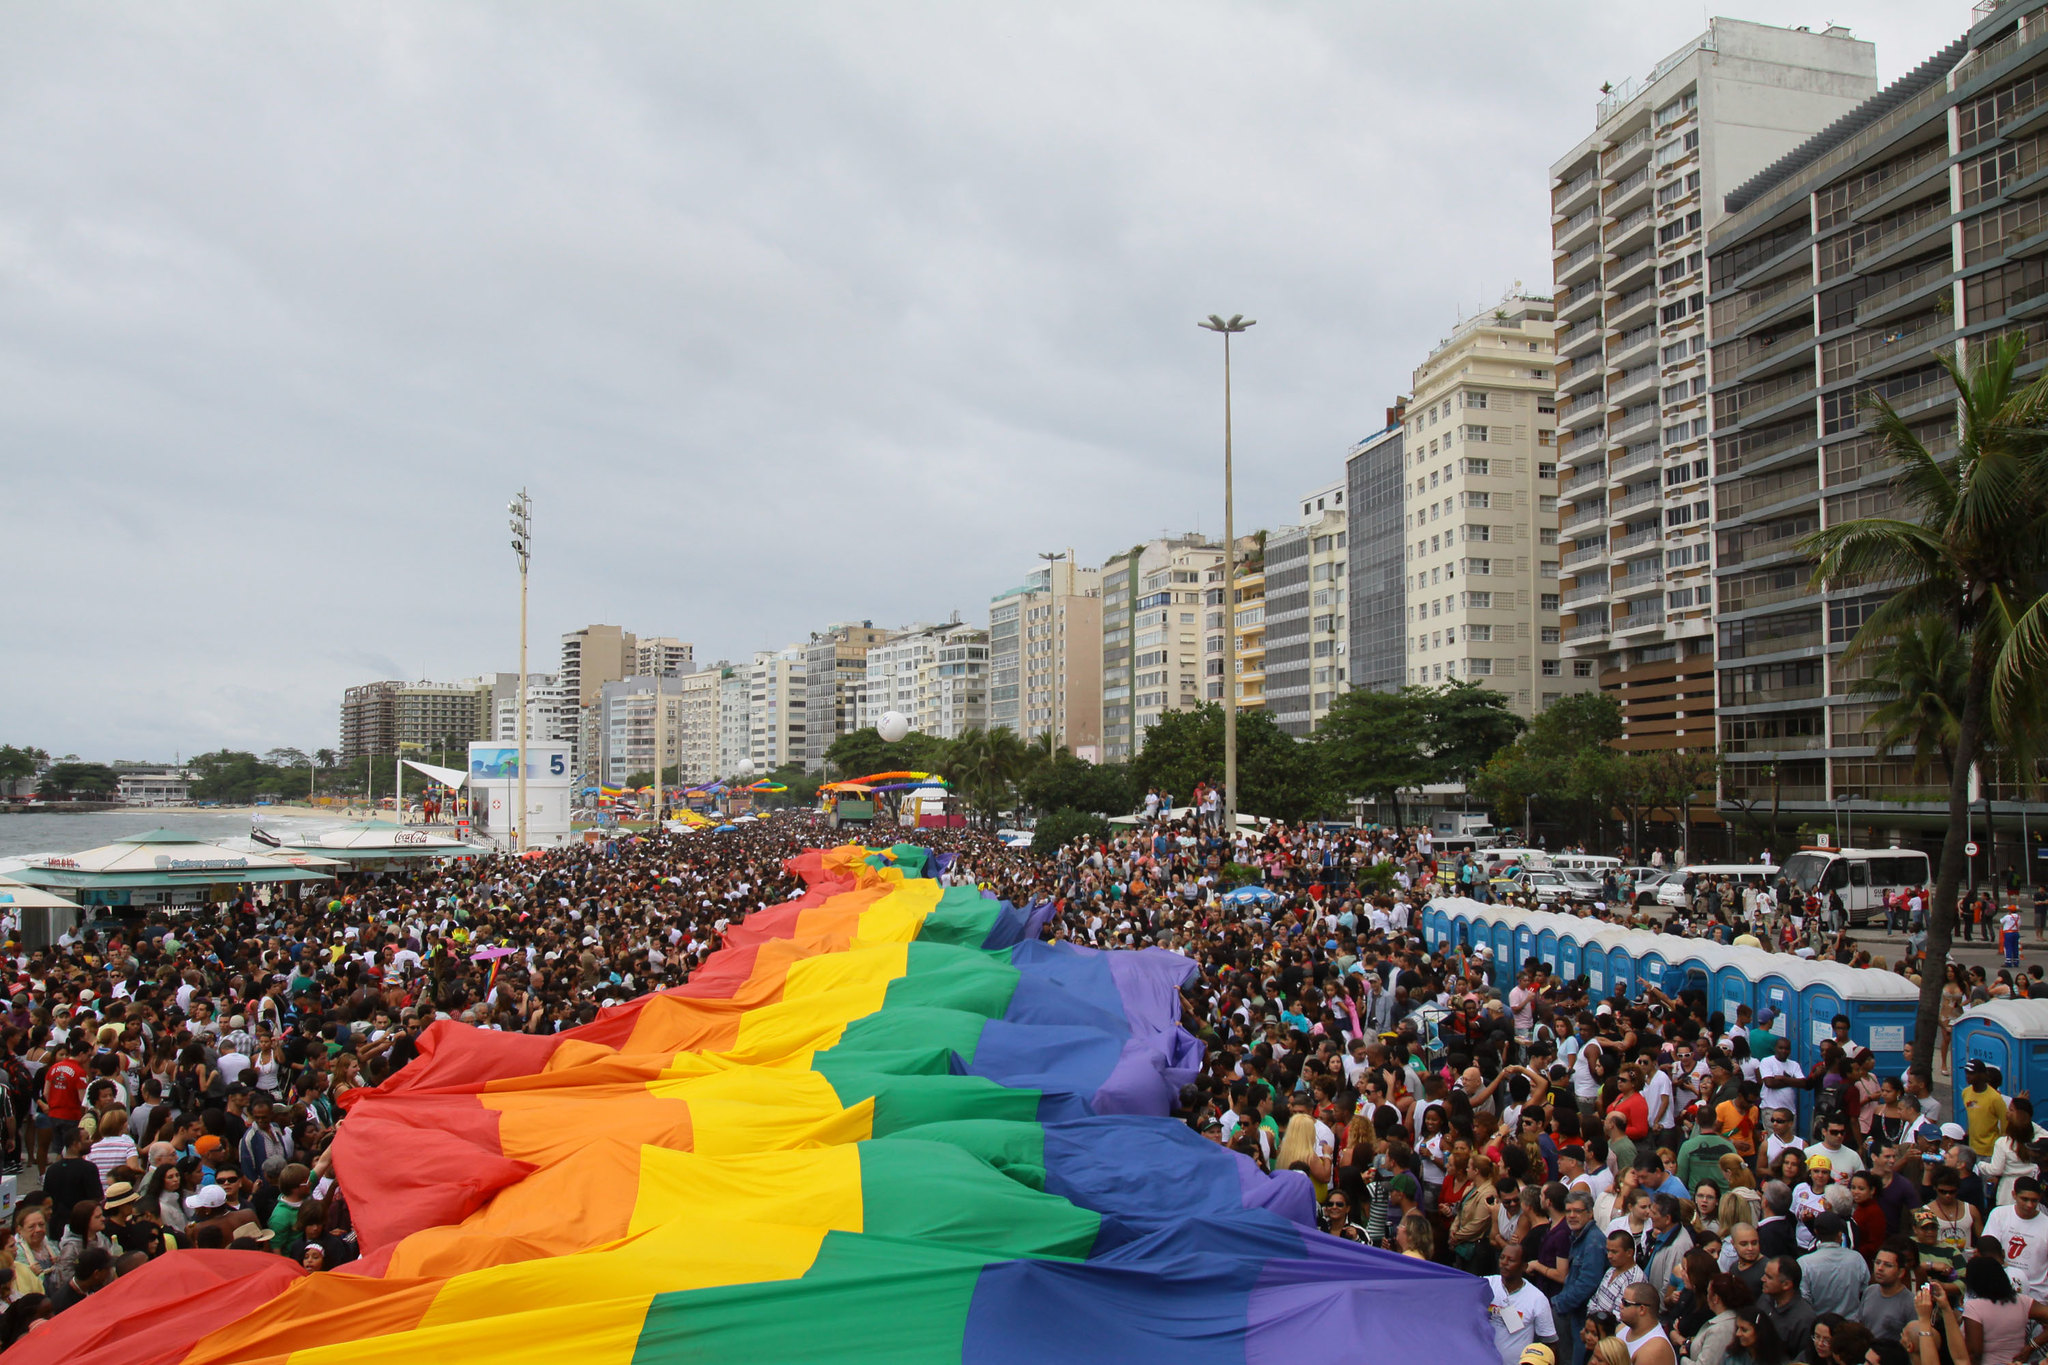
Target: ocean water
pixel 34 835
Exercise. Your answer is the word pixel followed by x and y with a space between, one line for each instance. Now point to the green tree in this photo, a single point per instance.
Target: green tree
pixel 1064 826
pixel 19 762
pixel 860 752
pixel 1564 760
pixel 1376 744
pixel 1970 548
pixel 1075 784
pixel 1277 776
pixel 1923 672
pixel 1466 725
pixel 78 779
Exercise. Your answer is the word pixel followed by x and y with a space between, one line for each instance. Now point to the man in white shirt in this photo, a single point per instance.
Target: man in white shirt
pixel 1520 1311
pixel 1661 1096
pixel 2022 1234
pixel 1843 1160
pixel 1781 1078
pixel 1522 1003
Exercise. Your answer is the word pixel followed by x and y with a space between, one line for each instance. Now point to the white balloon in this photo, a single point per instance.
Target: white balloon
pixel 744 768
pixel 893 726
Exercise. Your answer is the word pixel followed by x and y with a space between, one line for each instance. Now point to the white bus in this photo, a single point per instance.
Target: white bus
pixel 1862 875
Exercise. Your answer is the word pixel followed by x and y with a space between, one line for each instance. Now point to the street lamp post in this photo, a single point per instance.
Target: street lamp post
pixel 521 509
pixel 1227 327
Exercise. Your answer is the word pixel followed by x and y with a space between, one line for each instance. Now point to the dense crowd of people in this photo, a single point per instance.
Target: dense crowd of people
pixel 1639 1179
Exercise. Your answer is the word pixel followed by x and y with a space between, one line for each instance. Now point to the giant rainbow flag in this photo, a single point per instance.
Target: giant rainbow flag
pixel 884 1123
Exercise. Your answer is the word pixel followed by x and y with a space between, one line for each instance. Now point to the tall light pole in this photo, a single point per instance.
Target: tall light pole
pixel 521 509
pixel 1236 322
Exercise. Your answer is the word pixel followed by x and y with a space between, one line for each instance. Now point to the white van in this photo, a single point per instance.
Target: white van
pixel 1597 864
pixel 1671 891
pixel 1862 875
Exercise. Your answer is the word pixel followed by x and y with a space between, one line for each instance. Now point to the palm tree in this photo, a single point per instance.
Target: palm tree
pixel 1922 671
pixel 1969 549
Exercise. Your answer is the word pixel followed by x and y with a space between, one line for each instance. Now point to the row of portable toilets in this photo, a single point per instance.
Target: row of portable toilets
pixel 2011 1035
pixel 1804 995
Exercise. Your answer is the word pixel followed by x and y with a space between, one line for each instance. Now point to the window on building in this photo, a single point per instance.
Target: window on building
pixel 1473 433
pixel 1478 466
pixel 1582 668
pixel 1551 668
pixel 1479 668
pixel 1482 634
pixel 1479 601
pixel 1551 635
pixel 1481 567
pixel 1547 601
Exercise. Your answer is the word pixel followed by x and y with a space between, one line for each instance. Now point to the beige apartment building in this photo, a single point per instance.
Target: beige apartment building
pixel 835 675
pixel 1479 509
pixel 1045 656
pixel 1162 636
pixel 663 656
pixel 1631 207
pixel 594 656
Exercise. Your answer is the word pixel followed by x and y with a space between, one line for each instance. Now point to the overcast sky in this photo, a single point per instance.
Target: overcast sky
pixel 786 314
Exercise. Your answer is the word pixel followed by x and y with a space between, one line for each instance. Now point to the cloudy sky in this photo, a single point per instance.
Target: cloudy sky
pixel 785 313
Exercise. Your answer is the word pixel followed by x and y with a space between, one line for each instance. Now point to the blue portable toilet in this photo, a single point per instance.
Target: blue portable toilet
pixel 1432 924
pixel 1651 969
pixel 1525 942
pixel 1879 1005
pixel 1504 951
pixel 1546 948
pixel 1692 972
pixel 1621 967
pixel 1571 958
pixel 1732 986
pixel 2011 1035
pixel 1778 992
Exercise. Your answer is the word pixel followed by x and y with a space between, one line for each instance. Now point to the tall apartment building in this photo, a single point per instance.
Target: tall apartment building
pixel 1376 571
pixel 1909 228
pixel 443 715
pixel 1480 510
pixel 638 716
pixel 936 676
pixel 551 714
pixel 1160 619
pixel 663 656
pixel 594 656
pixel 735 741
pixel 835 674
pixel 1308 624
pixel 1250 620
pixel 696 706
pixel 1631 205
pixel 369 720
pixel 775 708
pixel 1045 656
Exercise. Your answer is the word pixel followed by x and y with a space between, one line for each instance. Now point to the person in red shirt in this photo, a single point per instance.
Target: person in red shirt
pixel 64 1092
pixel 1867 1218
pixel 1633 1108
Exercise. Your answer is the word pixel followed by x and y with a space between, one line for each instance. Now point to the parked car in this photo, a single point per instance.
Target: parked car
pixel 1544 888
pixel 1583 887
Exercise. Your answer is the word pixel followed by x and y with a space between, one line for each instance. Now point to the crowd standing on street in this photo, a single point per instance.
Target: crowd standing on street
pixel 1640 1180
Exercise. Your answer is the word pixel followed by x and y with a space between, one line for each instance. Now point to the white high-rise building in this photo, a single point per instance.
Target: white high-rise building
pixel 1631 206
pixel 775 708
pixel 1479 510
pixel 936 676
pixel 735 745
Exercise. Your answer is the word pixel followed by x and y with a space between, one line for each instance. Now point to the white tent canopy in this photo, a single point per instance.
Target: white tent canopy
pixel 447 777
pixel 21 896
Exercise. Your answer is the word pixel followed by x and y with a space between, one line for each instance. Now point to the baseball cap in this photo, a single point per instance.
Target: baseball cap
pixel 207 1197
pixel 1538 1354
pixel 1817 1162
pixel 1954 1132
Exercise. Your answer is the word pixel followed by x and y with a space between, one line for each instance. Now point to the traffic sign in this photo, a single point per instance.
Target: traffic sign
pixel 1970 849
